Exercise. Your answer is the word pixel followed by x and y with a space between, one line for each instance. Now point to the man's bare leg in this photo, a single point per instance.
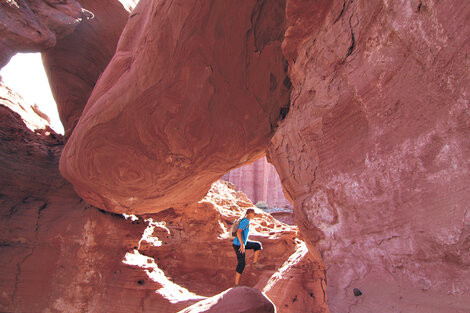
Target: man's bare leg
pixel 237 278
pixel 257 265
pixel 255 260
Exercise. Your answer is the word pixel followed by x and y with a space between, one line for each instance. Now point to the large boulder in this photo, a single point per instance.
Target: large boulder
pixel 375 150
pixel 35 25
pixel 195 88
pixel 75 63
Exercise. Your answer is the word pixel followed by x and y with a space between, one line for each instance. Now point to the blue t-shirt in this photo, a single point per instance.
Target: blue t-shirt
pixel 245 225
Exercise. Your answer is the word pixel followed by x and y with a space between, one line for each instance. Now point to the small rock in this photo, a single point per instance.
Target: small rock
pixel 357 292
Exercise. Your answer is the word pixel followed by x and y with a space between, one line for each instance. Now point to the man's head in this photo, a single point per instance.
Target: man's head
pixel 250 213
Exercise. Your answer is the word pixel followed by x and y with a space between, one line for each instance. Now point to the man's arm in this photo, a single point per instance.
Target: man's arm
pixel 239 236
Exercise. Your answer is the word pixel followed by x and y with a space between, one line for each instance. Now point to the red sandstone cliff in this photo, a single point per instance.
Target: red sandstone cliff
pixel 260 182
pixel 375 150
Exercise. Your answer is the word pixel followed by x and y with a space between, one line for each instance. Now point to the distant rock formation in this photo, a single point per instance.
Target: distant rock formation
pixel 31 115
pixel 260 182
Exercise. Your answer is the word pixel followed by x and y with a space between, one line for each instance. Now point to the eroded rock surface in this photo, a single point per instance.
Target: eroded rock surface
pixel 34 25
pixel 195 88
pixel 75 63
pixel 57 253
pixel 375 149
pixel 260 182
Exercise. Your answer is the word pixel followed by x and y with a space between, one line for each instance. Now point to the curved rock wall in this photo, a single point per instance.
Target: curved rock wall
pixel 195 88
pixel 75 63
pixel 260 182
pixel 375 149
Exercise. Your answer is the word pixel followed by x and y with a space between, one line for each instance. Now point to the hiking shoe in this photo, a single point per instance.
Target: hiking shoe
pixel 258 265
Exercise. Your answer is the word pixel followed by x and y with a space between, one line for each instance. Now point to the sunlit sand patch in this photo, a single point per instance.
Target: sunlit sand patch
pixel 300 251
pixel 229 207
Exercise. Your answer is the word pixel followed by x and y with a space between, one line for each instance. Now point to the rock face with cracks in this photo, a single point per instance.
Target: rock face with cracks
pixel 75 63
pixel 195 88
pixel 375 149
pixel 35 25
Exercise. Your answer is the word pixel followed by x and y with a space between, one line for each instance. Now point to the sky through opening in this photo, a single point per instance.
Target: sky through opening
pixel 25 75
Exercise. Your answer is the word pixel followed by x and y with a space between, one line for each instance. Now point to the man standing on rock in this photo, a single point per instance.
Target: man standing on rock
pixel 241 243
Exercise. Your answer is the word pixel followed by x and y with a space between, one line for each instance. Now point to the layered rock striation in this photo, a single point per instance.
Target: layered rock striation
pixel 375 149
pixel 193 90
pixel 374 154
pixel 32 116
pixel 76 61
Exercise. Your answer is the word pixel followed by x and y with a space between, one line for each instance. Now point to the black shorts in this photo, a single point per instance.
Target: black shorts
pixel 254 245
